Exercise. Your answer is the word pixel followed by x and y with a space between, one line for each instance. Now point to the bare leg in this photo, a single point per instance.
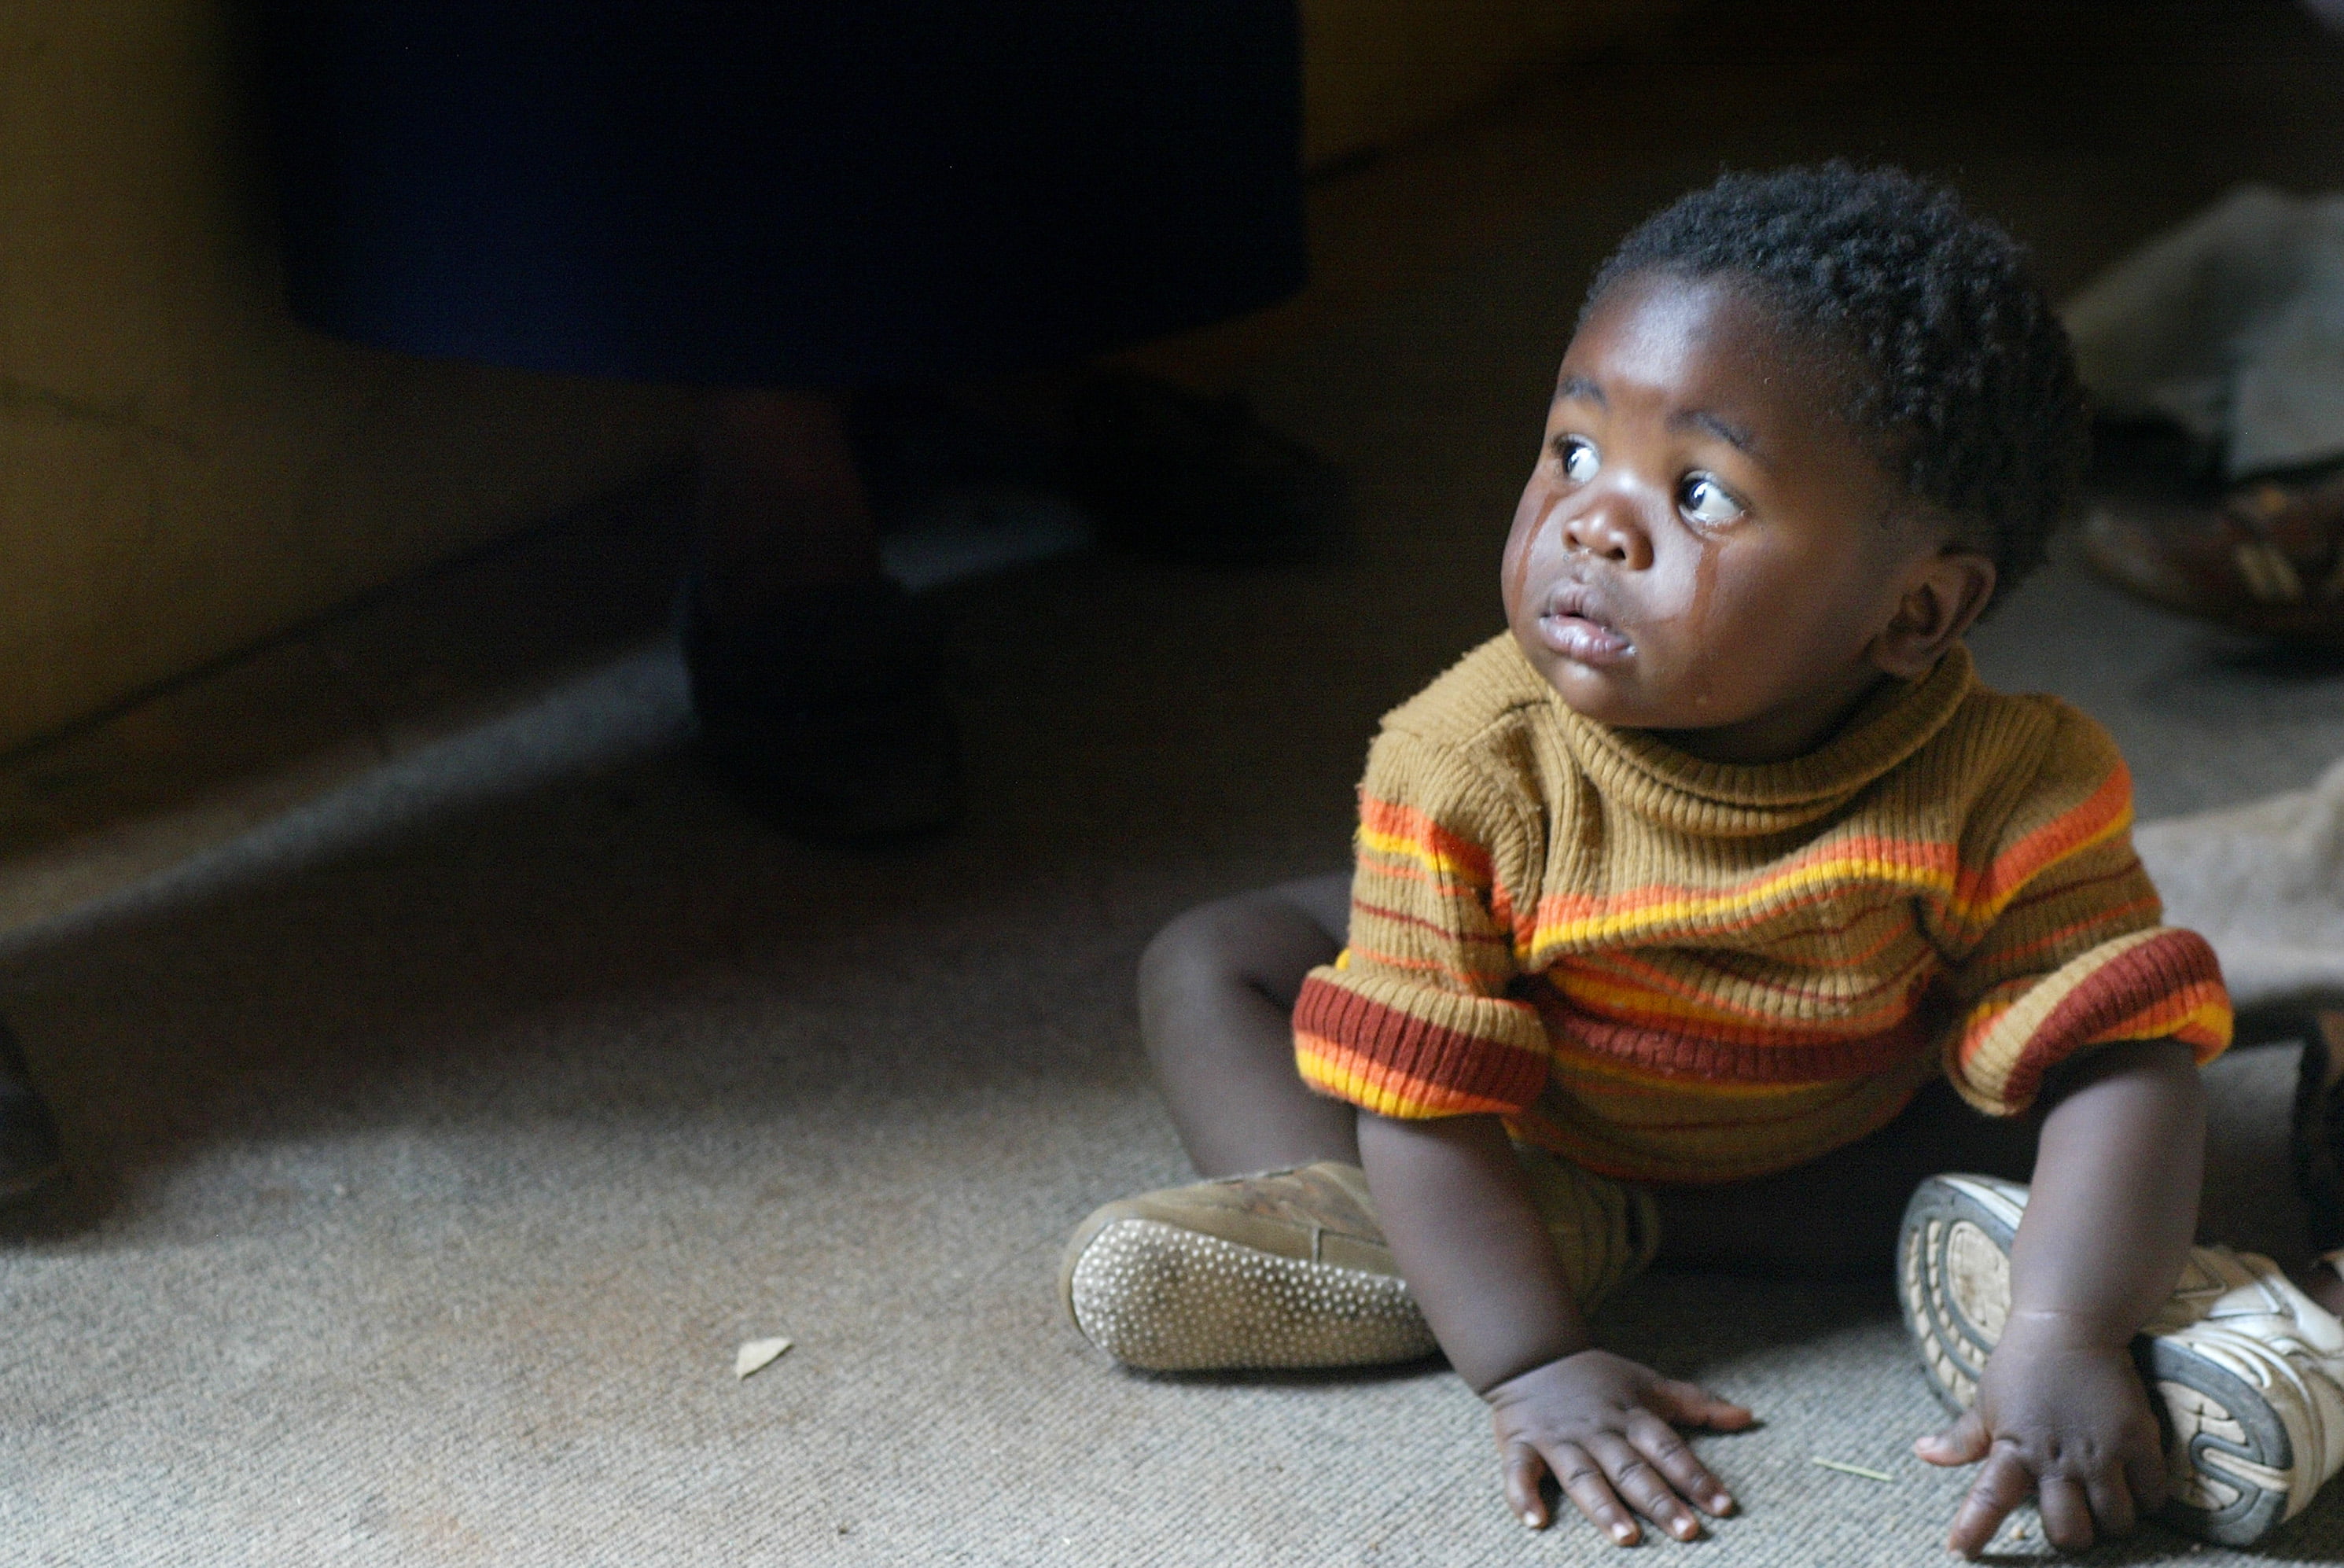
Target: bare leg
pixel 1217 991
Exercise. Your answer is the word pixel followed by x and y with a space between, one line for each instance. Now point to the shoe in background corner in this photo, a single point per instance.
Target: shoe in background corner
pixel 32 1161
pixel 2221 338
pixel 2265 558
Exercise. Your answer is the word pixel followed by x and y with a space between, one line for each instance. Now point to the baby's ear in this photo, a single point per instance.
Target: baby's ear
pixel 1943 594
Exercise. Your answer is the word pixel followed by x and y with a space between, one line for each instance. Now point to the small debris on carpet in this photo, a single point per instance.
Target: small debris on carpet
pixel 757 1355
pixel 1850 1468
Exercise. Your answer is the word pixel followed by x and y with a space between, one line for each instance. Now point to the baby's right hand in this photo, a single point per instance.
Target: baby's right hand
pixel 1601 1425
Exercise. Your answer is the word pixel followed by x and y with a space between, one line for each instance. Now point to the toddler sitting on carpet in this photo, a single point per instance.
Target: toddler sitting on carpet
pixel 1701 915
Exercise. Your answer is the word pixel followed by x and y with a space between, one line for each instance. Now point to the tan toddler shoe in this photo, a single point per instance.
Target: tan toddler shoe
pixel 1289 1269
pixel 1284 1269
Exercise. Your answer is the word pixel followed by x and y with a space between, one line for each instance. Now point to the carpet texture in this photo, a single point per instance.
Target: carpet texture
pixel 438 1145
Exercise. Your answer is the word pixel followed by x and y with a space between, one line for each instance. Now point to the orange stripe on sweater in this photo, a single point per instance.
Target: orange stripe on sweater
pixel 1980 896
pixel 1476 982
pixel 1823 873
pixel 1400 829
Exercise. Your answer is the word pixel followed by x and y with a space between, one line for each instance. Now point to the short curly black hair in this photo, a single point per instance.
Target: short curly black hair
pixel 1965 385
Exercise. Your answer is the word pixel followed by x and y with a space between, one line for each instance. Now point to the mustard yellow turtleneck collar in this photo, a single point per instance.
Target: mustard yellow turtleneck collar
pixel 1639 771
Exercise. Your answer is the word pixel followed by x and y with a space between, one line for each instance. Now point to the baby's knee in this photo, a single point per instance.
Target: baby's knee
pixel 1263 939
pixel 1212 939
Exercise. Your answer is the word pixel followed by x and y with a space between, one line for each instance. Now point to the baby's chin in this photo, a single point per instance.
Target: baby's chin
pixel 1612 695
pixel 1628 697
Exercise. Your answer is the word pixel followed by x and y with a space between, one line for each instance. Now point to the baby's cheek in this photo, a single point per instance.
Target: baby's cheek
pixel 1529 512
pixel 1736 654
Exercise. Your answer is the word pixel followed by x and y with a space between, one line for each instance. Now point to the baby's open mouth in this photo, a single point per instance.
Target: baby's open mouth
pixel 1573 625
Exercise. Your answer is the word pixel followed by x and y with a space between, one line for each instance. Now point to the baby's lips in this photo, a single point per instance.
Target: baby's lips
pixel 1574 598
pixel 1581 639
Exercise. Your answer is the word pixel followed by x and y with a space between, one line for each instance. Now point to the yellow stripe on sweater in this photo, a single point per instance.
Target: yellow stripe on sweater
pixel 1655 909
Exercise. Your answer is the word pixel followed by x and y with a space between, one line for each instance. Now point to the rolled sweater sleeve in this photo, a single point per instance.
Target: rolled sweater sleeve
pixel 1414 1020
pixel 2068 953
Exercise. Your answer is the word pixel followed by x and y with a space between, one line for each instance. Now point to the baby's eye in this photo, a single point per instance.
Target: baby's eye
pixel 1707 500
pixel 1581 461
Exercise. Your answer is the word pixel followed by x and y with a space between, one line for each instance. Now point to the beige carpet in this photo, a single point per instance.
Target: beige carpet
pixel 439 1144
pixel 440 1147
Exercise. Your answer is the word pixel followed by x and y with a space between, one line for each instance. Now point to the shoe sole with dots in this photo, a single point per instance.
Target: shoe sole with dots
pixel 1276 1271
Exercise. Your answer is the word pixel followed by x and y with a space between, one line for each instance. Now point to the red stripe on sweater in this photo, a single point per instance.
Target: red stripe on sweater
pixel 1678 1055
pixel 1337 1071
pixel 2152 987
pixel 1432 927
pixel 1369 1033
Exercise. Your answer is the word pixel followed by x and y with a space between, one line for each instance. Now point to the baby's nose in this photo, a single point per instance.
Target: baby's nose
pixel 1609 527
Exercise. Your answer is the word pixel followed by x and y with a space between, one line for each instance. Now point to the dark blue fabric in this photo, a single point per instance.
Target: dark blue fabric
pixel 786 195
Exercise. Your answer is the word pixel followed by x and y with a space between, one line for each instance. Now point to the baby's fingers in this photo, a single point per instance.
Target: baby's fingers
pixel 2066 1514
pixel 1635 1478
pixel 2002 1486
pixel 1690 1404
pixel 1659 1442
pixel 2112 1503
pixel 1582 1481
pixel 1524 1470
pixel 1964 1442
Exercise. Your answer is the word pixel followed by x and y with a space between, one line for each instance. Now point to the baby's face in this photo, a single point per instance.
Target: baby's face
pixel 1703 548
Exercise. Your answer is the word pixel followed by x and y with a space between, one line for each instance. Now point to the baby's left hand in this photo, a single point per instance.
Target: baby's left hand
pixel 2060 1415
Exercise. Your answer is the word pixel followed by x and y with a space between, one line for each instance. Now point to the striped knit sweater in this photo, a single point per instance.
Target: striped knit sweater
pixel 1668 969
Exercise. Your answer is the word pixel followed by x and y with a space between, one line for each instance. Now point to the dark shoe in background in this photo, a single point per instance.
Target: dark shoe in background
pixel 913 443
pixel 827 714
pixel 1197 479
pixel 2316 1135
pixel 31 1160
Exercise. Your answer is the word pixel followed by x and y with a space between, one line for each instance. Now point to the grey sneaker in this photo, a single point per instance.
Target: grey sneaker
pixel 2249 1371
pixel 1289 1267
